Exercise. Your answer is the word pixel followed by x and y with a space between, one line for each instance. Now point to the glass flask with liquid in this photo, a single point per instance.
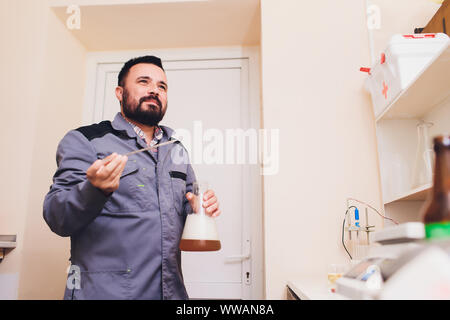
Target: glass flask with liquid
pixel 200 232
pixel 423 164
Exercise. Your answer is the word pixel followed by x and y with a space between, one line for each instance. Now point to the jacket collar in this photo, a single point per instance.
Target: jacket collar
pixel 120 124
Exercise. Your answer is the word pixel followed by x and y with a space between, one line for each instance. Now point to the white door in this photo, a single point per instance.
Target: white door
pixel 207 97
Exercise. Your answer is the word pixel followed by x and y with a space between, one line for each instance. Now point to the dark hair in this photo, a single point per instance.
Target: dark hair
pixel 127 66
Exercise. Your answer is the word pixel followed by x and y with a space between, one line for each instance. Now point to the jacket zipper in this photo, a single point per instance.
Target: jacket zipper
pixel 157 184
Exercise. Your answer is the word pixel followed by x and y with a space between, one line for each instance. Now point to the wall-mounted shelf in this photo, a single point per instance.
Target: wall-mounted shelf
pixel 427 99
pixel 417 194
pixel 430 88
pixel 7 242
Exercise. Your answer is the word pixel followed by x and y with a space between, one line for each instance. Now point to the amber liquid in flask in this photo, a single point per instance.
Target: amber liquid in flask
pixel 200 232
pixel 436 213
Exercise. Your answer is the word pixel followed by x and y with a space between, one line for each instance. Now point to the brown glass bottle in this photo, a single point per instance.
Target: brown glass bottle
pixel 436 214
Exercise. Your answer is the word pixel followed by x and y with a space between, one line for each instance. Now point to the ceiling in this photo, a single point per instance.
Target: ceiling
pixel 108 25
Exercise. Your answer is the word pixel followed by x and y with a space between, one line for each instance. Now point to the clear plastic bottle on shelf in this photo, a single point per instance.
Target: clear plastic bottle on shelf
pixel 423 165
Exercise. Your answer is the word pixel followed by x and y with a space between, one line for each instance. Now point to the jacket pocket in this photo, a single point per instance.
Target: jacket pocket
pixel 178 181
pixel 178 175
pixel 130 167
pixel 123 199
pixel 104 285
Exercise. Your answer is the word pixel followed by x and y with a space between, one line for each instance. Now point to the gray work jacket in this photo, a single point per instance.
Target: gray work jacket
pixel 125 244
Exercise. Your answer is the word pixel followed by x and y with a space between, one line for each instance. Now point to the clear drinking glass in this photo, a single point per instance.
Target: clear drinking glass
pixel 335 271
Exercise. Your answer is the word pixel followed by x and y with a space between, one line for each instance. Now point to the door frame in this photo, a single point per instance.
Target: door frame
pixel 253 223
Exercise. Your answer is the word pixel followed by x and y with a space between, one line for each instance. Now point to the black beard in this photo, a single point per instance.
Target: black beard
pixel 150 117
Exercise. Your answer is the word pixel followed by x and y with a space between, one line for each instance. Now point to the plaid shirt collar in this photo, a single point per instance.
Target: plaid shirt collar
pixel 157 135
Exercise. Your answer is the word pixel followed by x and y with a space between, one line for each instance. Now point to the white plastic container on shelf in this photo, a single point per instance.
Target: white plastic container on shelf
pixel 404 58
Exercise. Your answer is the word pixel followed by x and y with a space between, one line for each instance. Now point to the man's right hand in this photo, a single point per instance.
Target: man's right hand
pixel 105 173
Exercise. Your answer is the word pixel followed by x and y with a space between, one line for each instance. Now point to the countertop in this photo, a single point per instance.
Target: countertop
pixel 313 287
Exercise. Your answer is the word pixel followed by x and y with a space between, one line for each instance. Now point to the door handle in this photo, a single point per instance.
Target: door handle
pixel 246 270
pixel 241 257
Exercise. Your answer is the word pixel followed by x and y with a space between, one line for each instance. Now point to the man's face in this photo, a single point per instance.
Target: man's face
pixel 144 95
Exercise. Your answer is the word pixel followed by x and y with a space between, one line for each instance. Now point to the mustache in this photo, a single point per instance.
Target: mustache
pixel 151 98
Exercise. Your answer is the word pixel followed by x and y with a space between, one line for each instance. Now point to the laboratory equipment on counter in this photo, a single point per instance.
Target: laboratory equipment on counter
pixel 436 214
pixel 403 266
pixel 357 242
pixel 402 233
pixel 200 232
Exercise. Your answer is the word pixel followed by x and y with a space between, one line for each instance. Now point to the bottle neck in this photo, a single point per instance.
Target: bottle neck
pixel 441 184
pixel 437 213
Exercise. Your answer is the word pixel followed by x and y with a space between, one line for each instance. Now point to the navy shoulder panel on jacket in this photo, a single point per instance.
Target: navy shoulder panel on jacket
pixel 96 130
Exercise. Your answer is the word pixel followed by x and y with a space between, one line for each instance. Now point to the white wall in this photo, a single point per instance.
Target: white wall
pixel 42 93
pixel 20 61
pixel 313 92
pixel 45 259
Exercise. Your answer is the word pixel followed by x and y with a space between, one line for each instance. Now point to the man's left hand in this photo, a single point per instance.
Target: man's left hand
pixel 210 203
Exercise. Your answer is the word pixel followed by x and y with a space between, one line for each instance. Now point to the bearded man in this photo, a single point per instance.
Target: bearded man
pixel 125 216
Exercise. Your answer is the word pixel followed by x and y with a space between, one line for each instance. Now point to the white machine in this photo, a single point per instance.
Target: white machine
pixel 403 266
